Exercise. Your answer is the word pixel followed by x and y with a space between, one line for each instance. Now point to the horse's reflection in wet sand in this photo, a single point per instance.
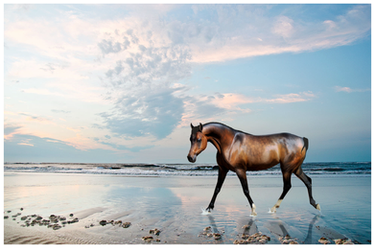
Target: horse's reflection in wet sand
pixel 275 227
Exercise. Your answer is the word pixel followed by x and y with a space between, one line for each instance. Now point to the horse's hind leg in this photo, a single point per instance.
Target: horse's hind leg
pixel 287 185
pixel 308 182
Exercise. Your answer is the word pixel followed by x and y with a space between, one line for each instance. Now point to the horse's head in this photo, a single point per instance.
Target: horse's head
pixel 198 142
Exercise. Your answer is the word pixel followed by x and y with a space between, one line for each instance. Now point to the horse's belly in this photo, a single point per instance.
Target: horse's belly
pixel 258 167
pixel 263 161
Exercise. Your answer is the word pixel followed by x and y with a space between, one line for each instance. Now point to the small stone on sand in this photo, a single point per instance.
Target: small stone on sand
pixel 126 224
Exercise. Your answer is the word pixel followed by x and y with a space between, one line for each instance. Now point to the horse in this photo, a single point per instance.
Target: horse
pixel 239 152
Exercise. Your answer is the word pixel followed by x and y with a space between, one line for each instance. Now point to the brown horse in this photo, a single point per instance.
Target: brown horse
pixel 240 152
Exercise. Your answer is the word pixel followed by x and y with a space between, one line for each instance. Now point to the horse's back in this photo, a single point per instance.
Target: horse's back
pixel 260 152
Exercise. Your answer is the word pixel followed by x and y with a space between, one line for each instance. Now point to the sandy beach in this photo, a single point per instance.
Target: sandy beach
pixel 173 206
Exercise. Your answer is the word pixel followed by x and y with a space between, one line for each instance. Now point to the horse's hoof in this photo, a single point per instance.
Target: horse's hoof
pixel 318 207
pixel 272 210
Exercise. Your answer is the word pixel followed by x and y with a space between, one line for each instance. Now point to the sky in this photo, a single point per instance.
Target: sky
pixel 121 83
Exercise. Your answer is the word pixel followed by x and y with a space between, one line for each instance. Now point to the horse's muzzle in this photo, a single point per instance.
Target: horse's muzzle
pixel 191 160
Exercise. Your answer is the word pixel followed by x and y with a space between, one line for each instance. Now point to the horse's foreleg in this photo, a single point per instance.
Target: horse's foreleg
pixel 308 182
pixel 286 188
pixel 242 176
pixel 220 180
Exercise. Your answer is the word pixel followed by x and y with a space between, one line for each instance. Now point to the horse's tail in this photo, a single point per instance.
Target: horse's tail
pixel 305 144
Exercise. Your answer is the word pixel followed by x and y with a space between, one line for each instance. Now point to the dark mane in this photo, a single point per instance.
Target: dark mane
pixel 223 125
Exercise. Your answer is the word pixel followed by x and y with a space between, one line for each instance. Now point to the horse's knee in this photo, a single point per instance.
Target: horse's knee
pixel 287 186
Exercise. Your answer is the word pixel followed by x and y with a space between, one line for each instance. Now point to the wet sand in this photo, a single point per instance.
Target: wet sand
pixel 172 205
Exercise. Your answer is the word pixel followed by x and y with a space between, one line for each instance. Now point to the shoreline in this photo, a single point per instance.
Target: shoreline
pixel 173 206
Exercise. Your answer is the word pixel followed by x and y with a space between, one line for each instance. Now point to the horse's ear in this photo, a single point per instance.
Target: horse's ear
pixel 191 124
pixel 200 127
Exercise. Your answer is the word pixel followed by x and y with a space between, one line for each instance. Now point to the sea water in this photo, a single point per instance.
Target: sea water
pixel 316 169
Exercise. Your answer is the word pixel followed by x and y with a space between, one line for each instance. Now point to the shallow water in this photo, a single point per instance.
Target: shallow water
pixel 173 205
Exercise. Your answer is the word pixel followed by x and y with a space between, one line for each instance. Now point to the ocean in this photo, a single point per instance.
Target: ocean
pixel 315 169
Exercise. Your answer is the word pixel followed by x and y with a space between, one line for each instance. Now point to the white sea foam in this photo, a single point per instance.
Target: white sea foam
pixel 205 211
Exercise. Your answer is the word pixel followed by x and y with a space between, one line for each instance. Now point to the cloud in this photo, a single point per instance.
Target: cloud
pixel 25 142
pixel 258 34
pixel 291 98
pixel 37 149
pixel 283 27
pixel 60 111
pixel 39 119
pixel 349 90
pixel 148 113
pixel 142 85
pixel 10 130
pixel 219 106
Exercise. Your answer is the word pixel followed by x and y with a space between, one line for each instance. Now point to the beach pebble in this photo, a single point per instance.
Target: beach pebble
pixel 147 238
pixel 103 222
pixel 256 238
pixel 287 240
pixel 71 215
pixel 207 228
pixel 54 226
pixel 6 217
pixel 343 242
pixel 155 231
pixel 246 227
pixel 126 224
pixel 324 241
pixel 217 236
pixel 21 209
pixel 24 217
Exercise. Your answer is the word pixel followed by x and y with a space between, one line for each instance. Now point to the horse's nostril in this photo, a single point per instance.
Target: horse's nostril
pixel 191 160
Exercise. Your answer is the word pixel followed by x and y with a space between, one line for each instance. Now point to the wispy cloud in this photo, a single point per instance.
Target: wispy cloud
pixel 25 143
pixel 261 35
pixel 218 105
pixel 349 90
pixel 291 98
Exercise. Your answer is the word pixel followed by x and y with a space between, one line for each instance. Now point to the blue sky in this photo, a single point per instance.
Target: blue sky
pixel 122 83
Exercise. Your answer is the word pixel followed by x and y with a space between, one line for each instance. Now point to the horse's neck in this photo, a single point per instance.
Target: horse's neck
pixel 218 135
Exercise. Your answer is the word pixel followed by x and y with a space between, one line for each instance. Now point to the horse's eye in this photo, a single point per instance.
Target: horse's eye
pixel 199 140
